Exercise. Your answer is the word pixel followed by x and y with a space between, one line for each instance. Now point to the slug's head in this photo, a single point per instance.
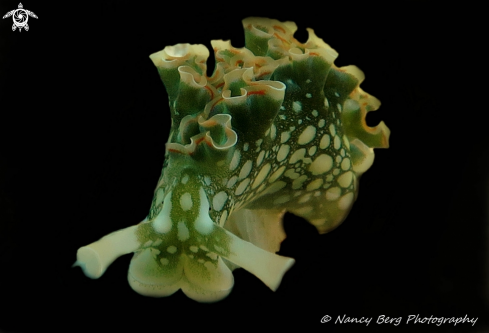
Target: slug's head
pixel 179 246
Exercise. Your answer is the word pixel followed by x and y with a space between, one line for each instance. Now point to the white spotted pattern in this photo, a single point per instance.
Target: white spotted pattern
pixel 245 170
pixel 283 152
pixel 305 198
pixel 297 106
pixel 219 200
pixel 297 183
pixel 297 155
pixel 235 160
pixel 242 186
pixel 332 129
pixel 260 157
pixel 325 140
pixel 345 179
pixel 277 174
pixel 322 164
pixel 333 193
pixel 232 181
pixel 284 137
pixel 186 201
pixel 265 170
pixel 337 142
pixel 345 202
pixel 314 185
pixel 291 174
pixel 307 135
pixel 277 186
pixel 312 150
pixel 346 142
pixel 223 218
pixel 273 132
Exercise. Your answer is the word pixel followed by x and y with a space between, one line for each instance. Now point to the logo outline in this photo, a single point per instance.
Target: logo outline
pixel 20 16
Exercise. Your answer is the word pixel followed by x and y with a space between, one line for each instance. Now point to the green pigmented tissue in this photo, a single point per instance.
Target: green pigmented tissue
pixel 277 127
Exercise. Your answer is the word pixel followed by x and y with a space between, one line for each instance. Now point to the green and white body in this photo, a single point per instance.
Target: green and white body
pixel 277 127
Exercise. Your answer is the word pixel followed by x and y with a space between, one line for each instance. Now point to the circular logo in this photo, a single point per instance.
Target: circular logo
pixel 20 17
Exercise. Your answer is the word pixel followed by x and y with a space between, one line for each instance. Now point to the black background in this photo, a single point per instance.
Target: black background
pixel 84 120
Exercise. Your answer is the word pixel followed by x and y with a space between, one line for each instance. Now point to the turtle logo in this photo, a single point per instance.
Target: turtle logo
pixel 20 17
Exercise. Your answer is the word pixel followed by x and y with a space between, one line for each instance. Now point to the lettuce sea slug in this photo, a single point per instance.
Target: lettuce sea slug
pixel 277 127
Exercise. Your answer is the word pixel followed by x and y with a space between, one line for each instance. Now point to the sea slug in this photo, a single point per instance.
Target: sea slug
pixel 277 127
